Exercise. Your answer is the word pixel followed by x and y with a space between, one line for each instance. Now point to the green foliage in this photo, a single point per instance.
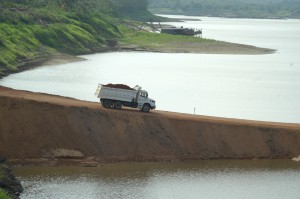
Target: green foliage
pixel 127 6
pixel 132 9
pixel 4 195
pixel 30 28
pixel 17 42
pixel 158 41
pixel 78 6
pixel 229 8
pixel 67 38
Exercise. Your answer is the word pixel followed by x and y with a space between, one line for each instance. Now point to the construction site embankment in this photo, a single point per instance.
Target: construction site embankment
pixel 40 127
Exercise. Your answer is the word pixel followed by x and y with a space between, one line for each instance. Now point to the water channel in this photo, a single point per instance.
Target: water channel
pixel 257 87
pixel 212 179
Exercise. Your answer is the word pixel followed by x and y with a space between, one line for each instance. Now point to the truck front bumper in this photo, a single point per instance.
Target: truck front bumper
pixel 153 107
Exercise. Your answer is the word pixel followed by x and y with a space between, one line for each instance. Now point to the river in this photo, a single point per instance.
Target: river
pixel 211 179
pixel 255 87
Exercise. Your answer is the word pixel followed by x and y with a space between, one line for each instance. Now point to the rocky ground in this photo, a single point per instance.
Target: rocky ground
pixel 8 182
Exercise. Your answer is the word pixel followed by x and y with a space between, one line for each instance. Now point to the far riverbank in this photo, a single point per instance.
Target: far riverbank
pixel 159 45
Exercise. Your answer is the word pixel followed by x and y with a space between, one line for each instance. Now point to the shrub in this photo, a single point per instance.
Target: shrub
pixel 4 195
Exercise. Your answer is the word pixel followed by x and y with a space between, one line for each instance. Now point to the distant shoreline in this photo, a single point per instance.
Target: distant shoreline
pixel 215 16
pixel 216 47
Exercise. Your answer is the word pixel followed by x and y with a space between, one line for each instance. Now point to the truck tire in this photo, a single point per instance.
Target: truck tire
pixel 118 105
pixel 146 108
pixel 107 103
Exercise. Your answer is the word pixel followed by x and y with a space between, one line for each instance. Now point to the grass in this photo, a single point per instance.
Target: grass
pixel 33 30
pixel 17 42
pixel 29 32
pixel 183 44
pixel 4 195
pixel 158 41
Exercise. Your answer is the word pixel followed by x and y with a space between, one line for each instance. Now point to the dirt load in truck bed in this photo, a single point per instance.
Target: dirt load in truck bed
pixel 36 126
pixel 122 86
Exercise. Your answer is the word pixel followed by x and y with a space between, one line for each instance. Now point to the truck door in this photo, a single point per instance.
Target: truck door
pixel 142 98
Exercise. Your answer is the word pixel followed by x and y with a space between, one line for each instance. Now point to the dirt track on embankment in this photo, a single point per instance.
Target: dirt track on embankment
pixel 37 128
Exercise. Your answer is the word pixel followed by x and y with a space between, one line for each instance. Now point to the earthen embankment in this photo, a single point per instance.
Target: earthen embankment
pixel 41 127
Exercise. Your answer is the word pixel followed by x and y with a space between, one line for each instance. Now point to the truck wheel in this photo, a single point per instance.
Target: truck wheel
pixel 118 105
pixel 107 103
pixel 146 108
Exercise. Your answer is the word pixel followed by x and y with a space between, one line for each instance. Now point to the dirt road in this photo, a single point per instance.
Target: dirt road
pixel 40 127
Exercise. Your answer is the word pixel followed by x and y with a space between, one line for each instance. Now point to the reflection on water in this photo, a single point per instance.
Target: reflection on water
pixel 200 179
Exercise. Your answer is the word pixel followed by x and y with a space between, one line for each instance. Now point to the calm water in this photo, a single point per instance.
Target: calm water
pixel 276 179
pixel 257 87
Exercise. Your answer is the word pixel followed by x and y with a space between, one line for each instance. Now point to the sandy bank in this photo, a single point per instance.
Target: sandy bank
pixel 39 128
pixel 215 47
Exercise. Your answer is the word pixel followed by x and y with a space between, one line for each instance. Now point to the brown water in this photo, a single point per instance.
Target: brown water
pixel 198 179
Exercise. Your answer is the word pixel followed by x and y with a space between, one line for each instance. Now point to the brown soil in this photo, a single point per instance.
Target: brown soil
pixel 122 86
pixel 40 128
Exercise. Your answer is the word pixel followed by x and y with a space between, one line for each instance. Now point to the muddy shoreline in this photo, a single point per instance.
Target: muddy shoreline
pixel 95 161
pixel 216 47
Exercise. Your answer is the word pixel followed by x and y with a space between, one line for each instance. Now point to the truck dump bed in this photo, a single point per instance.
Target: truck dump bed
pixel 107 92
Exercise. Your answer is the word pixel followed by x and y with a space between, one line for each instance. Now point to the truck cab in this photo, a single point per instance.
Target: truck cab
pixel 145 103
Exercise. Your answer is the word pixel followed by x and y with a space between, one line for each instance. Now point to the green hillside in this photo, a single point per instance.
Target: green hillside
pixel 31 31
pixel 229 8
pixel 34 31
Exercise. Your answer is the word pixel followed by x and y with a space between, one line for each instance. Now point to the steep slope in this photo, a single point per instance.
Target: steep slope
pixel 34 125
pixel 32 31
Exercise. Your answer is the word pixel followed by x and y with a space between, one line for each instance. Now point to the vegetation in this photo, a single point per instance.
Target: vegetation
pixel 159 41
pixel 33 30
pixel 4 195
pixel 229 8
pixel 10 187
pixel 132 9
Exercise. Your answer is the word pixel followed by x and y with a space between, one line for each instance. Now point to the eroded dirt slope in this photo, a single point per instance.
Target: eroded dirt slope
pixel 35 125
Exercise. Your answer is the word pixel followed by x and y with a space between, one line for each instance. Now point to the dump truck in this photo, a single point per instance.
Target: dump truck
pixel 118 95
